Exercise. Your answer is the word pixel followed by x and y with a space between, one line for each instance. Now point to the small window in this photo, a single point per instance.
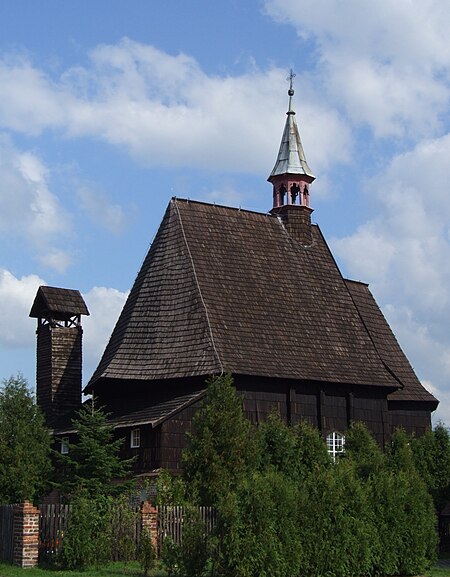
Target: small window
pixel 65 446
pixel 135 438
pixel 335 444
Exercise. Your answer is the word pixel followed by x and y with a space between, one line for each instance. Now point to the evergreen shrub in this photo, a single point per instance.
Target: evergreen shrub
pixel 194 550
pixel 146 551
pixel 87 541
pixel 170 556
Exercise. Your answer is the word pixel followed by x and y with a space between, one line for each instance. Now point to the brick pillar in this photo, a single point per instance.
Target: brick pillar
pixel 149 521
pixel 26 535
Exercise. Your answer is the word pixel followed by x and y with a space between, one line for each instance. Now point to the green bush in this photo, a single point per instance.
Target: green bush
pixel 146 551
pixel 284 509
pixel 336 528
pixel 87 541
pixel 222 450
pixel 414 510
pixel 194 546
pixel 123 520
pixel 170 556
pixel 257 531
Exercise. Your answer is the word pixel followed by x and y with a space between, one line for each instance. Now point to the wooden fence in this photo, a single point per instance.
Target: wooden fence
pixel 53 522
pixel 6 533
pixel 171 520
pixel 52 525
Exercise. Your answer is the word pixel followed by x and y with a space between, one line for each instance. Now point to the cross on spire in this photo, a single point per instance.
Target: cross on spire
pixel 291 77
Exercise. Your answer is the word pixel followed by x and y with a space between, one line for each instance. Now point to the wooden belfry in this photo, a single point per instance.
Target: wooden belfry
pixel 59 357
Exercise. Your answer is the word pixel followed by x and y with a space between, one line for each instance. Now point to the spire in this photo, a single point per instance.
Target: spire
pixel 291 175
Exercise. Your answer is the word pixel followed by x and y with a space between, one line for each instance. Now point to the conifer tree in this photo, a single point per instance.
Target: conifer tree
pixel 432 459
pixel 93 460
pixel 222 449
pixel 25 465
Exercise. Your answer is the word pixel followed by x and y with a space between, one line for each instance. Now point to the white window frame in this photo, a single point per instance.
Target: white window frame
pixel 65 446
pixel 335 444
pixel 135 438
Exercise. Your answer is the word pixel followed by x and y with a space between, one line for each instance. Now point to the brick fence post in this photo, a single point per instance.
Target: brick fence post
pixel 149 521
pixel 26 535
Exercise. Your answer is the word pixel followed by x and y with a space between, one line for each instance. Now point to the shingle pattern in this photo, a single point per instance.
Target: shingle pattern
pixel 58 301
pixel 387 346
pixel 157 412
pixel 223 288
pixel 162 331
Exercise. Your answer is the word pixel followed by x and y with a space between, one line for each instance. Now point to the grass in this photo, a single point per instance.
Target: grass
pixel 111 570
pixel 125 570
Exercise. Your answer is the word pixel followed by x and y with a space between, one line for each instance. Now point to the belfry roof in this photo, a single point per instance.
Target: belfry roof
pixel 59 303
pixel 230 290
pixel 291 157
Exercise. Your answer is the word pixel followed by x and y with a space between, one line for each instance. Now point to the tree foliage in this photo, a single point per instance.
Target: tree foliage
pixel 294 451
pixel 25 465
pixel 283 508
pixel 87 539
pixel 222 449
pixel 93 460
pixel 432 459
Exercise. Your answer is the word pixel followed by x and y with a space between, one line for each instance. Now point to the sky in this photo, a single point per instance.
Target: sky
pixel 108 108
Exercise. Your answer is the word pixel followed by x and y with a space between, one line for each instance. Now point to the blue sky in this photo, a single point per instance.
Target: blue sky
pixel 109 108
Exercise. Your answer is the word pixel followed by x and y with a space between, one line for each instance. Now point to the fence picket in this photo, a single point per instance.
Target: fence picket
pixel 52 525
pixel 170 522
pixel 6 533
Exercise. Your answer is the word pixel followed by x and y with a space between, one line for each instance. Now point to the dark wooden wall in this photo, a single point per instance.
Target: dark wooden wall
pixel 409 416
pixel 329 407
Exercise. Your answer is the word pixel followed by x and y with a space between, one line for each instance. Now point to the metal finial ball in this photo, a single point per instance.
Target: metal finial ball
pixel 291 92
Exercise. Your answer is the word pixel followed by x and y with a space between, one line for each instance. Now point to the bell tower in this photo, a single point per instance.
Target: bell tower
pixel 59 340
pixel 291 178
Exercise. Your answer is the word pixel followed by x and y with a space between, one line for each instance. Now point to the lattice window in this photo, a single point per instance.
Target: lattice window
pixel 335 444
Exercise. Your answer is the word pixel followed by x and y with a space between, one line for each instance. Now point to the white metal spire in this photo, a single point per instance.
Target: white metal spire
pixel 291 157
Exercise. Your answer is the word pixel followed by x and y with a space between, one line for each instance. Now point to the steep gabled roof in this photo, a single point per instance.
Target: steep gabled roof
pixel 223 289
pixel 163 329
pixel 59 303
pixel 387 346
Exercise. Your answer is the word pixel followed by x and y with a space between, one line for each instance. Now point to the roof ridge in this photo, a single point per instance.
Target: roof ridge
pixel 215 204
pixel 174 201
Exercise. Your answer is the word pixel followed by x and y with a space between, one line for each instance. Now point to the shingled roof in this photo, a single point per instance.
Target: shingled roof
pixel 59 303
pixel 387 346
pixel 223 289
pixel 153 414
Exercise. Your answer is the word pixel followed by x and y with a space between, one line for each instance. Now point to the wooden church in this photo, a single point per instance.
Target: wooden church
pixel 225 290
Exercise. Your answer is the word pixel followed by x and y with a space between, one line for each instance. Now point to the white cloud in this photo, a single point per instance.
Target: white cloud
pixel 165 111
pixel 28 209
pixel 104 305
pixel 16 297
pixel 387 62
pixel 30 101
